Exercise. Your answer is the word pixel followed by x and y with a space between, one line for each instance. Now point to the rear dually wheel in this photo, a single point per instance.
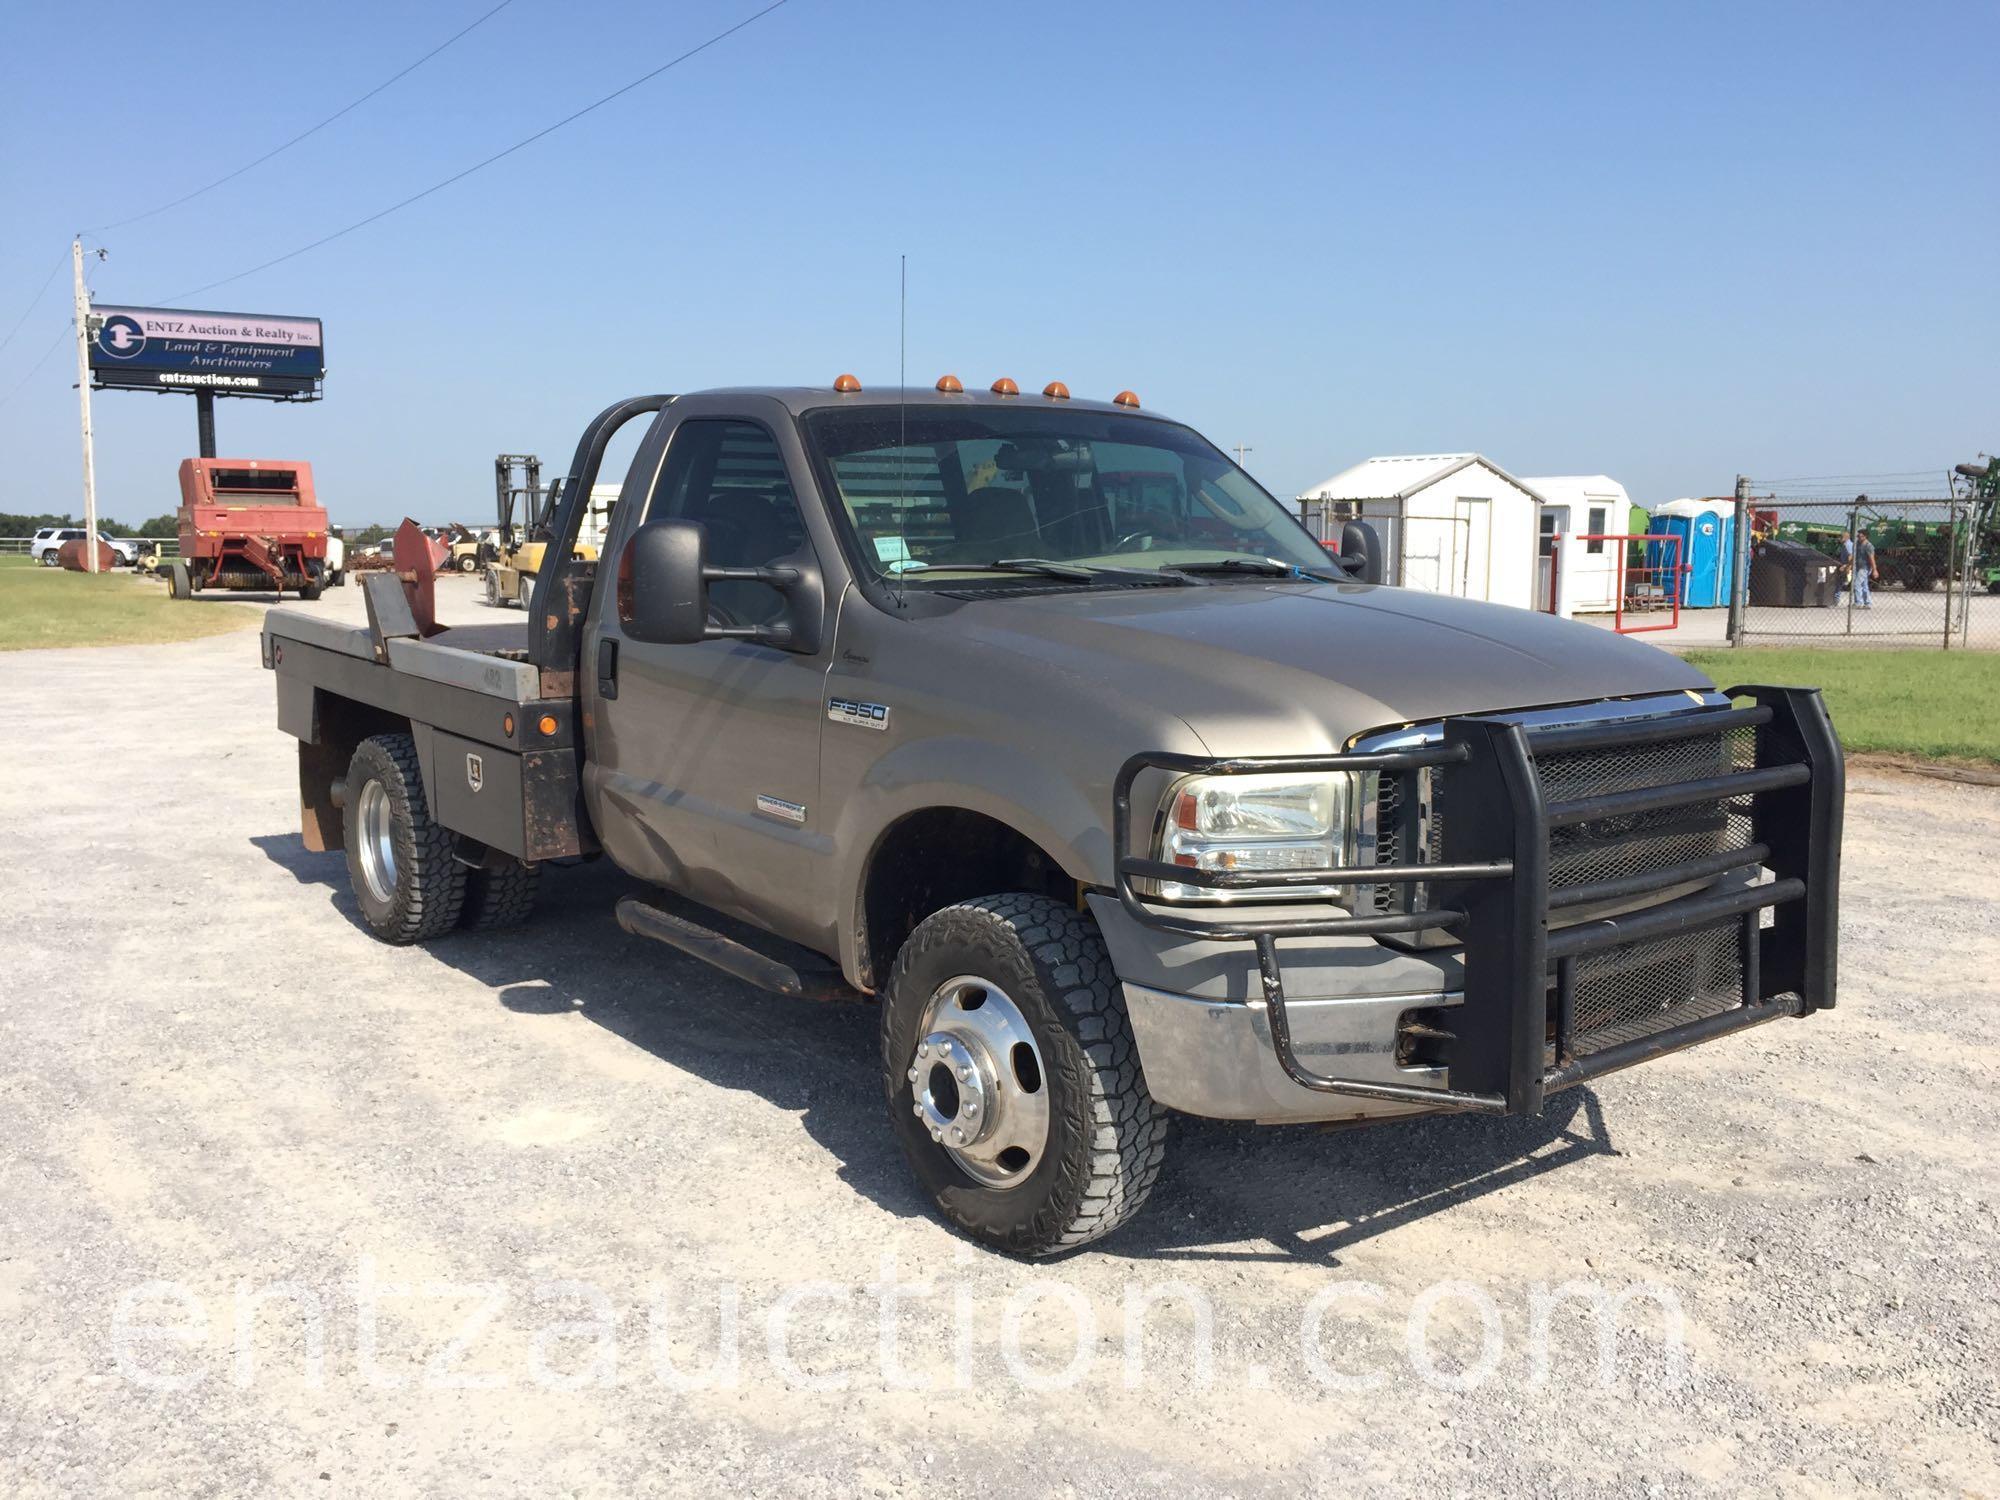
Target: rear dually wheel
pixel 399 861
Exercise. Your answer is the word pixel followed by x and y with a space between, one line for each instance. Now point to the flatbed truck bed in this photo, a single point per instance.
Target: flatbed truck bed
pixel 499 755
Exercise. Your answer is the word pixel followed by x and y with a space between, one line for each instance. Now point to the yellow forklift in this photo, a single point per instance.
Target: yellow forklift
pixel 514 557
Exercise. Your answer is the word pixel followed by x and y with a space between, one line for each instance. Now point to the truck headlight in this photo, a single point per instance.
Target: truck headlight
pixel 1279 822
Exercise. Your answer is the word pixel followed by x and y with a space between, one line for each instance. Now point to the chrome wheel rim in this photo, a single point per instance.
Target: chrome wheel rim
pixel 977 1082
pixel 377 842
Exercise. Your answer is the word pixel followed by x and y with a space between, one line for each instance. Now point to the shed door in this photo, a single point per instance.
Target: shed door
pixel 1552 525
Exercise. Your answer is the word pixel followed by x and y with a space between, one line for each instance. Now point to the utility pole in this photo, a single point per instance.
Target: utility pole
pixel 83 401
pixel 1240 450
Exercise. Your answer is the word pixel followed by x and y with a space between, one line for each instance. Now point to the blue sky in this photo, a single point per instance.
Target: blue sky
pixel 1669 243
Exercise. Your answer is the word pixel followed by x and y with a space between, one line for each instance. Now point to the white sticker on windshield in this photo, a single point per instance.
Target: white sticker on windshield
pixel 894 554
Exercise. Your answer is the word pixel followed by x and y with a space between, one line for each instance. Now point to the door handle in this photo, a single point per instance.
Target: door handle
pixel 607 668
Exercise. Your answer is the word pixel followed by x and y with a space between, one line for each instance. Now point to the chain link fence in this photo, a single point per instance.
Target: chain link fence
pixel 1907 572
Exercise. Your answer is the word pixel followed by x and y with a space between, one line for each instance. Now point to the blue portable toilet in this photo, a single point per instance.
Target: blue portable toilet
pixel 1707 532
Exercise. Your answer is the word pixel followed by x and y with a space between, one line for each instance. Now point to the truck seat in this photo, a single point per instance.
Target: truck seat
pixel 991 522
pixel 748 529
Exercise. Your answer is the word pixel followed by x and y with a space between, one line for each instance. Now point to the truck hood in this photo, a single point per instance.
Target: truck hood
pixel 1293 668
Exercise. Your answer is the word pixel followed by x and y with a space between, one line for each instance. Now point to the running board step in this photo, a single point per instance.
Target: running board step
pixel 642 919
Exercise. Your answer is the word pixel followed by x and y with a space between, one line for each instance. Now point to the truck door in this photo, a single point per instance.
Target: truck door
pixel 703 764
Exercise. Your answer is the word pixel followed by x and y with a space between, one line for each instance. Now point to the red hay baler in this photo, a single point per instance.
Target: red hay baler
pixel 249 523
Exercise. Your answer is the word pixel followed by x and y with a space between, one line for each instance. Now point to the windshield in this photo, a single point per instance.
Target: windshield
pixel 930 493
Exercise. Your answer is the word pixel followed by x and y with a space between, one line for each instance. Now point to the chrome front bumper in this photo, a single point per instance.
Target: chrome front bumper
pixel 1215 1057
pixel 1204 1034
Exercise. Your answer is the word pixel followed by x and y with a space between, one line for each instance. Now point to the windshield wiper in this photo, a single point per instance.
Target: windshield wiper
pixel 1048 567
pixel 1261 567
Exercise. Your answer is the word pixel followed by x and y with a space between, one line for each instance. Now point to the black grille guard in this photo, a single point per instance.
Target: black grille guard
pixel 1491 890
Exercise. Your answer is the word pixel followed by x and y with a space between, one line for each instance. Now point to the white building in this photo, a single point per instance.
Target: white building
pixel 596 523
pixel 1576 509
pixel 1451 523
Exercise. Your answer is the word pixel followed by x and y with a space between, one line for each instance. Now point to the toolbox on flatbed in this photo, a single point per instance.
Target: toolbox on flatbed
pixel 499 756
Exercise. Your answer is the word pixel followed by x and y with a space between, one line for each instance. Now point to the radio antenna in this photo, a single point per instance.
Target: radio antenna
pixel 902 415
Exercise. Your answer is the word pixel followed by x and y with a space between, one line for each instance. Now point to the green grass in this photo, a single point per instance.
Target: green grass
pixel 1938 705
pixel 54 607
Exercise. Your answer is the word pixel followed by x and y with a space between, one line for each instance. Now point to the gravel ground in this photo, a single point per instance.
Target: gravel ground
pixel 571 1150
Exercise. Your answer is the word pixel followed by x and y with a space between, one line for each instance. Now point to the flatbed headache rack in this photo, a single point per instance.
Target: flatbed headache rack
pixel 493 709
pixel 1518 1035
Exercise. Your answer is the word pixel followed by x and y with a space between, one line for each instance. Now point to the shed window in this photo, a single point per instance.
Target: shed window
pixel 1597 520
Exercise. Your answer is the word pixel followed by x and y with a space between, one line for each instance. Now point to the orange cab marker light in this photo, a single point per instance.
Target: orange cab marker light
pixel 507 725
pixel 1125 398
pixel 1005 387
pixel 846 383
pixel 949 383
pixel 1055 390
pixel 546 723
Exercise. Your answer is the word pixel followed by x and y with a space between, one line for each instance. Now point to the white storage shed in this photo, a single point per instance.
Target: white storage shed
pixel 1576 508
pixel 1451 523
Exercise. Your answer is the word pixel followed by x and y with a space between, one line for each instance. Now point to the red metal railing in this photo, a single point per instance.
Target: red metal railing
pixel 1649 589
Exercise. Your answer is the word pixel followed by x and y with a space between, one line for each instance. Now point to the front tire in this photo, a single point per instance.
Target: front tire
pixel 399 862
pixel 1008 1012
pixel 468 564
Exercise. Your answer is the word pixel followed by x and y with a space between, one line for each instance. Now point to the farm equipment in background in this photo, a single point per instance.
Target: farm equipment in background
pixel 464 551
pixel 1917 553
pixel 1980 484
pixel 148 561
pixel 249 523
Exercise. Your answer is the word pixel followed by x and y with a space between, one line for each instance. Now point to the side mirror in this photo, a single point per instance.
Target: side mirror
pixel 1361 552
pixel 663 582
pixel 662 595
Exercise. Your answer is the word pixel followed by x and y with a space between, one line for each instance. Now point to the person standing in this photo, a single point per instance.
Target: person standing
pixel 1865 572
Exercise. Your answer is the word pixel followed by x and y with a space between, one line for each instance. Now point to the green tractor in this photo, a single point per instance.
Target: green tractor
pixel 1918 554
pixel 1980 483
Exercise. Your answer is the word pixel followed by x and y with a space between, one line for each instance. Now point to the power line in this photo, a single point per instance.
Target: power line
pixel 480 166
pixel 62 334
pixel 313 130
pixel 36 300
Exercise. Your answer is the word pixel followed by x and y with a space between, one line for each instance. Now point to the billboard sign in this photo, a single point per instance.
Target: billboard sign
pixel 228 354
